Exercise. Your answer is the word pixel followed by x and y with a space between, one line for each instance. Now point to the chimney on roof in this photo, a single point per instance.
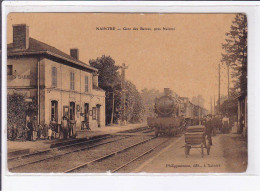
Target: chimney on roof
pixel 74 52
pixel 21 36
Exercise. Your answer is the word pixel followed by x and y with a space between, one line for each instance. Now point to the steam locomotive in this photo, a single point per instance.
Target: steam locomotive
pixel 167 121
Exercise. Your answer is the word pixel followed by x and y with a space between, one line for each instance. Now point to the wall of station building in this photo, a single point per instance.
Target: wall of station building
pixel 65 98
pixel 24 72
pixel 26 82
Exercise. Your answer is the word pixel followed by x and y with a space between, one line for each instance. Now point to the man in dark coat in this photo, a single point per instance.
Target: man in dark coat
pixel 29 130
pixel 35 128
pixel 215 125
pixel 209 128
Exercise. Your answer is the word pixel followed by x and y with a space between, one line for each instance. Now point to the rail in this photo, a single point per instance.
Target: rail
pixel 58 155
pixel 106 156
pixel 141 155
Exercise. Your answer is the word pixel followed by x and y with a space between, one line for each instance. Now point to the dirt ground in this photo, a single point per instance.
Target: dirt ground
pixel 235 152
pixel 228 154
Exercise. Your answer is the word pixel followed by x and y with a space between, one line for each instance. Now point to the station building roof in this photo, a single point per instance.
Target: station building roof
pixel 37 47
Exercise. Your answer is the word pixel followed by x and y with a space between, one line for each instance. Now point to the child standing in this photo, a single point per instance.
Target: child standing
pixel 49 132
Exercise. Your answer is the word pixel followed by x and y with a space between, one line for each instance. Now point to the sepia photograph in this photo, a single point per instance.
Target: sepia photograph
pixel 127 93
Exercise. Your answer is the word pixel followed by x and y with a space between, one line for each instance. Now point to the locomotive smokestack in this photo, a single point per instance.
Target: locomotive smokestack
pixel 167 92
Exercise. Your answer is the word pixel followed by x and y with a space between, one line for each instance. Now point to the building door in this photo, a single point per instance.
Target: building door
pixel 72 111
pixel 98 115
pixel 54 110
pixel 86 112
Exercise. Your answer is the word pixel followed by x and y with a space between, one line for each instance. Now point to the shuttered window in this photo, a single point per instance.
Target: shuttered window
pixel 9 70
pixel 72 81
pixel 86 83
pixel 54 76
pixel 54 110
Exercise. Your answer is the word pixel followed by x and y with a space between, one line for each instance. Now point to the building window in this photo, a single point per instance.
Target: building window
pixel 86 112
pixel 72 81
pixel 9 70
pixel 54 76
pixel 72 111
pixel 86 83
pixel 54 110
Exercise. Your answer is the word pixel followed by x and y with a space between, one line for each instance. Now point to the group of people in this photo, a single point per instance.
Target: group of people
pixel 217 123
pixel 214 124
pixel 33 131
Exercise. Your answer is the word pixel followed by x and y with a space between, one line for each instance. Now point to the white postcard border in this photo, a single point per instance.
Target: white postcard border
pixel 145 181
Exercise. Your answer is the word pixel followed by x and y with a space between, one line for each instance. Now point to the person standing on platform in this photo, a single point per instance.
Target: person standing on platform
pixel 65 126
pixel 40 131
pixel 45 131
pixel 225 122
pixel 29 129
pixel 219 123
pixel 53 126
pixel 71 127
pixel 242 123
pixel 35 128
pixel 50 131
pixel 203 121
pixel 209 128
pixel 215 125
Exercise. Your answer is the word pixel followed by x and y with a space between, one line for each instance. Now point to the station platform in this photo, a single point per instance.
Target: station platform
pixel 24 147
pixel 225 157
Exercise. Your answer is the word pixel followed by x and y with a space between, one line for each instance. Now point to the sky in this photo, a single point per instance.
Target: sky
pixel 184 59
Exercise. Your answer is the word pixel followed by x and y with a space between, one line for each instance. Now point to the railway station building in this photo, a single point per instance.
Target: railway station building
pixel 62 84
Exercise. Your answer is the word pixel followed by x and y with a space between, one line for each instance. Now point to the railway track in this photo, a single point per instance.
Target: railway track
pixel 107 156
pixel 42 161
pixel 140 129
pixel 138 157
pixel 148 131
pixel 93 164
pixel 62 154
pixel 57 148
pixel 70 145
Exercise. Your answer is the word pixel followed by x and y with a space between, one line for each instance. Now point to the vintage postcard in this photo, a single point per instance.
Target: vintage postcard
pixel 127 93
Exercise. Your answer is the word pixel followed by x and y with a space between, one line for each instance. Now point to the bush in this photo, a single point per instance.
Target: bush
pixel 17 109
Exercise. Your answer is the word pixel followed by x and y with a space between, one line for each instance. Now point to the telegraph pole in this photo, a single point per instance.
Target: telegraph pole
pixel 211 110
pixel 123 68
pixel 214 107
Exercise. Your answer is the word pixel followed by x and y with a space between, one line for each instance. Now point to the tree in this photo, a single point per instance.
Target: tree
pixel 235 52
pixel 229 107
pixel 134 105
pixel 148 99
pixel 17 109
pixel 223 98
pixel 109 80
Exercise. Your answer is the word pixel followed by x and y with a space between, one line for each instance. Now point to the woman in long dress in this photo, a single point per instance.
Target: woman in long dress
pixel 50 131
